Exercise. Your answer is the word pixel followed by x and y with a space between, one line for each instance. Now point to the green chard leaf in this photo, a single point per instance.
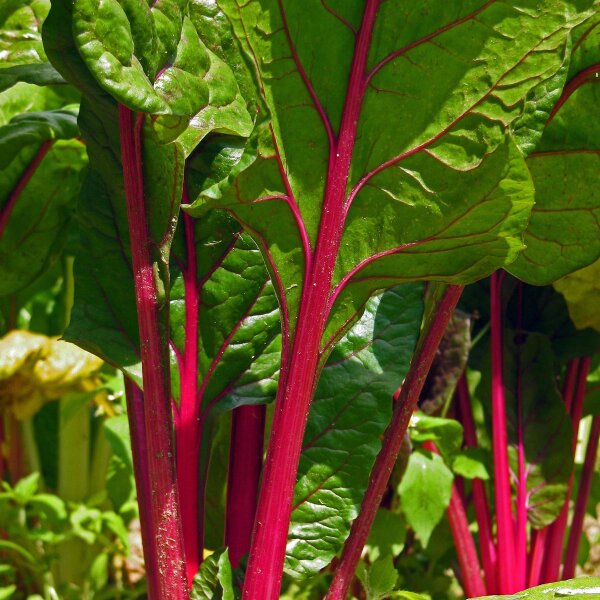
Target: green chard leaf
pixel 20 31
pixel 41 170
pixel 434 187
pixel 350 410
pixel 37 74
pixel 425 492
pixel 583 587
pixel 214 580
pixel 564 232
pixel 152 60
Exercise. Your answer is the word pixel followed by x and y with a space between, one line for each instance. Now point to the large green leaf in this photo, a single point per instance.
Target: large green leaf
pixel 584 587
pixel 407 153
pixel 350 410
pixel 151 59
pixel 20 31
pixel 534 402
pixel 564 232
pixel 41 170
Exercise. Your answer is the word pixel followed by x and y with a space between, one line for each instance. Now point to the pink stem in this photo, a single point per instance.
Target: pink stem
pixel 536 562
pixel 480 501
pixel 139 450
pixel 187 425
pixel 245 464
pixel 506 574
pixel 164 502
pixel 299 375
pixel 585 485
pixel 392 441
pixel 468 559
pixel 29 172
pixel 521 495
pixel 557 533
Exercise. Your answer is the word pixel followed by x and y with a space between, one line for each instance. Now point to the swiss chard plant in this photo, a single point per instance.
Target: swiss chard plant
pixel 268 184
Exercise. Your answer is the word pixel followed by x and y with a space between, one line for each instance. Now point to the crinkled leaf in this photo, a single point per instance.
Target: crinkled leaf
pixel 425 492
pixel 582 587
pixel 214 580
pixel 35 369
pixel 350 410
pixel 151 59
pixel 20 31
pixel 582 294
pixel 420 172
pixel 564 232
pixel 238 319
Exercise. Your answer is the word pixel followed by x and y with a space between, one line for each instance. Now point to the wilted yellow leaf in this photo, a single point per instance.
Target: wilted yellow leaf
pixel 35 369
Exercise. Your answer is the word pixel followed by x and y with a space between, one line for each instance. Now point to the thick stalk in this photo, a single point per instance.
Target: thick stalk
pixel 187 423
pixel 585 485
pixel 8 207
pixel 392 441
pixel 141 473
pixel 468 559
pixel 299 377
pixel 164 501
pixel 30 446
pixel 480 500
pixel 506 574
pixel 557 534
pixel 73 479
pixel 536 560
pixel 245 464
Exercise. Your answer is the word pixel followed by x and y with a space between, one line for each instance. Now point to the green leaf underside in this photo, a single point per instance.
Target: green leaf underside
pixel 239 341
pixel 547 428
pixel 564 232
pixel 104 313
pixel 583 587
pixel 41 212
pixel 104 317
pixel 436 189
pixel 349 412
